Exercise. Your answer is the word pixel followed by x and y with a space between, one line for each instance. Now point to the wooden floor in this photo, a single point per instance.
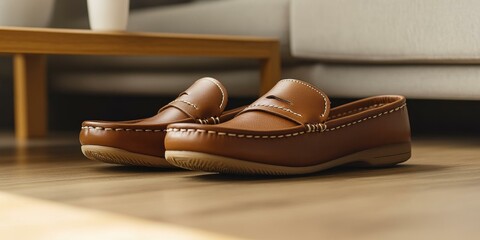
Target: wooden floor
pixel 435 195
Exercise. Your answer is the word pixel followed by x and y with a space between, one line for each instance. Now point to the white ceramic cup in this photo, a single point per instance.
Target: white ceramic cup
pixel 108 15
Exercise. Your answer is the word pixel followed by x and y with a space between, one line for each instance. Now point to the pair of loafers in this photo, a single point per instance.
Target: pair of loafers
pixel 290 130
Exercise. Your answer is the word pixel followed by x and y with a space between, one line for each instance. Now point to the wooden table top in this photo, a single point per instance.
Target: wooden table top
pixel 88 42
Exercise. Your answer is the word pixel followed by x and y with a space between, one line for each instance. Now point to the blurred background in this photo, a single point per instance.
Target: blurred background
pixel 430 57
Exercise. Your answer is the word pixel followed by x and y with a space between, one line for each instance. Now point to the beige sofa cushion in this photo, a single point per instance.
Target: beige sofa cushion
pixel 232 17
pixel 451 82
pixel 371 30
pixel 239 82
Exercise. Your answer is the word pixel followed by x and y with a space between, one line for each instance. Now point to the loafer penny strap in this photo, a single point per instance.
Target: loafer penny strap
pixel 295 100
pixel 206 98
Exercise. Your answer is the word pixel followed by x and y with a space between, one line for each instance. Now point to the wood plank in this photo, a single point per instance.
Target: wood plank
pixel 28 218
pixel 30 93
pixel 434 195
pixel 86 42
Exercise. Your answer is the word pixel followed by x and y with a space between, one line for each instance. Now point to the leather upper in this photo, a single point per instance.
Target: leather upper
pixel 204 102
pixel 295 100
pixel 204 99
pixel 292 125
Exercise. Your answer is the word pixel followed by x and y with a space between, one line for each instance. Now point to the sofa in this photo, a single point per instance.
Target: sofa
pixel 424 49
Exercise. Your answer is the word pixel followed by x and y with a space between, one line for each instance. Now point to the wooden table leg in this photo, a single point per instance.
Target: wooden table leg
pixel 271 70
pixel 30 94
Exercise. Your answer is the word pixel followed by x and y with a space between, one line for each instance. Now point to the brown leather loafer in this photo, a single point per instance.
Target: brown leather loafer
pixel 141 142
pixel 292 130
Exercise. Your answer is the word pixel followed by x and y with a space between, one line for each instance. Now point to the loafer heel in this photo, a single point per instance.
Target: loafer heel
pixel 384 156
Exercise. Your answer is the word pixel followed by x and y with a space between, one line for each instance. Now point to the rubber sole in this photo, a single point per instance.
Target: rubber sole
pixel 377 157
pixel 123 157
